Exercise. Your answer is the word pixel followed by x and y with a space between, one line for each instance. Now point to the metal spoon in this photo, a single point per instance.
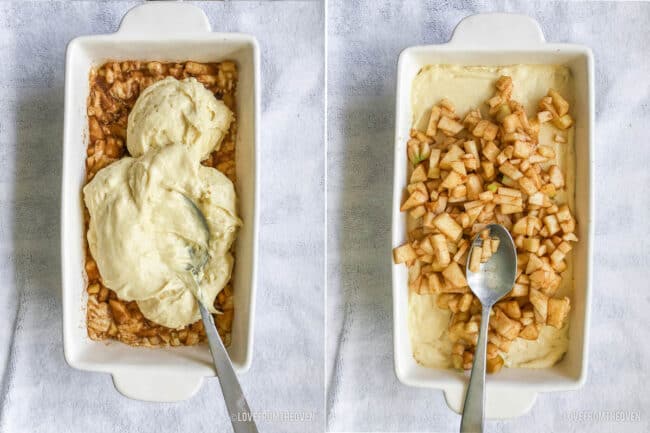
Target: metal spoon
pixel 490 284
pixel 240 414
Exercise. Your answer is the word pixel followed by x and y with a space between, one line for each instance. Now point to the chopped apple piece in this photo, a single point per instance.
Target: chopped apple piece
pixel 432 127
pixel 494 365
pixel 427 220
pixel 486 196
pixel 570 237
pixel 448 226
pixel 509 170
pixel 452 180
pixel 565 247
pixel 556 177
pixel 520 226
pixel 510 308
pixel 546 151
pixel 490 151
pixel 486 130
pixel 494 101
pixel 505 326
pixel 522 149
pixel 447 287
pixel 563 214
pixel 531 244
pixel 465 302
pixel 530 332
pixel 559 103
pixel 474 213
pixel 471 148
pixel 461 254
pixel 120 313
pixel 540 304
pixel 534 263
pixel 519 290
pixel 488 170
pixel 459 167
pixel 546 103
pixel 480 127
pixel 473 204
pixel 419 174
pixel 527 185
pixel 450 126
pixel 415 199
pixel 558 309
pixel 527 315
pixel 474 186
pixel 440 249
pixel 444 299
pixel 426 246
pixel 544 116
pixel 563 122
pixel 453 154
pixel 417 186
pixel 472 118
pixel 508 209
pixel 532 225
pixel 491 132
pixel 458 194
pixel 441 203
pixel 511 122
pixel 435 285
pixel 404 253
pixel 538 199
pixel 454 275
pixel 557 256
pixel 418 212
pixel 504 83
pixel 417 151
pixel 552 225
pixel 504 199
pixel 447 104
pixel 510 192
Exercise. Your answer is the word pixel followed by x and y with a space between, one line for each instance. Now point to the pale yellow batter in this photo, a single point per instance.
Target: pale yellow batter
pixel 468 87
pixel 144 220
pixel 177 112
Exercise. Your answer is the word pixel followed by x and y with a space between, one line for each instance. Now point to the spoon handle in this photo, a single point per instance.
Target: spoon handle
pixel 240 415
pixel 473 420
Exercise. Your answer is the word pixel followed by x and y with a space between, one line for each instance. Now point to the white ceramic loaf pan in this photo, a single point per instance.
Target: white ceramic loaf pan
pixel 165 32
pixel 501 39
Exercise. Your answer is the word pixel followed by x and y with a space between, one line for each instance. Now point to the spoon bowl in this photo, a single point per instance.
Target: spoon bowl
pixel 497 276
pixel 494 280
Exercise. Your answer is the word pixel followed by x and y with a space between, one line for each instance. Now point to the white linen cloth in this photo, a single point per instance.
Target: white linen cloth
pixel 39 391
pixel 365 39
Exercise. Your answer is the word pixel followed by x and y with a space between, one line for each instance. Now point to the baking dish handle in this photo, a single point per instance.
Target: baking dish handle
pixel 157 387
pixel 164 19
pixel 499 30
pixel 500 403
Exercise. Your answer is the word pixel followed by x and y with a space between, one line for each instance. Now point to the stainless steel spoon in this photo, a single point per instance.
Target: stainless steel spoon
pixel 495 278
pixel 240 414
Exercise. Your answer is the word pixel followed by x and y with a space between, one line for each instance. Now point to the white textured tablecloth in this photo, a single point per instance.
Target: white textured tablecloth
pixel 365 39
pixel 39 392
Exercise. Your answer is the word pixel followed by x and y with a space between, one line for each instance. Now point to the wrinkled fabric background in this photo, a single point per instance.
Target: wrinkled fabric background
pixel 39 392
pixel 365 39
